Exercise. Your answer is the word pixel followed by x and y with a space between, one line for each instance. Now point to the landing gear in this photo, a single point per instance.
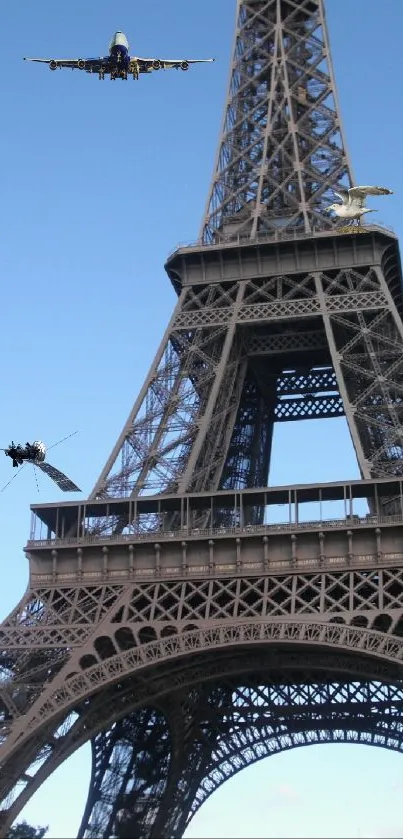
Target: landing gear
pixel 118 74
pixel 134 70
pixel 101 75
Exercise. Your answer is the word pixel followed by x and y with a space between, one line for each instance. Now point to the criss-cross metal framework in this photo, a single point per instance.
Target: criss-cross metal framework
pixel 250 722
pixel 292 334
pixel 281 150
pixel 171 618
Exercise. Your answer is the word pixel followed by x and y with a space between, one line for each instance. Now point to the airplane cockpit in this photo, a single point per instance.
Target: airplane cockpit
pixel 119 40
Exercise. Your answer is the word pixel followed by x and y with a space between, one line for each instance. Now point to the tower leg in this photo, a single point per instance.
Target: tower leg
pixel 146 773
pixel 153 772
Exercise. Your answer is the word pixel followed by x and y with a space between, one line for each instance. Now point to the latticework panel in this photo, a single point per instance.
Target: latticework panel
pixel 134 655
pixel 218 729
pixel 368 359
pixel 239 356
pixel 130 769
pixel 78 628
pixel 264 720
pixel 158 439
pixel 281 150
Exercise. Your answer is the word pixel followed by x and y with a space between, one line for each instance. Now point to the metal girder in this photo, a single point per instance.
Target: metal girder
pixel 313 381
pixel 130 633
pixel 255 729
pixel 291 410
pixel 210 400
pixel 216 730
pixel 290 341
pixel 310 395
pixel 281 151
pixel 130 773
pixel 366 349
pixel 279 310
pixel 186 730
pixel 44 651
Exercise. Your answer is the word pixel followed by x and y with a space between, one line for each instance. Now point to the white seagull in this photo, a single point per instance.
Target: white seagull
pixel 353 206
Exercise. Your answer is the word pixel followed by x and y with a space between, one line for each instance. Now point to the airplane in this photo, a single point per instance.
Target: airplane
pixel 35 453
pixel 119 64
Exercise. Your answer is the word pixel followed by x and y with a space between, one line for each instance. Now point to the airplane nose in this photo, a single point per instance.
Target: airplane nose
pixel 119 40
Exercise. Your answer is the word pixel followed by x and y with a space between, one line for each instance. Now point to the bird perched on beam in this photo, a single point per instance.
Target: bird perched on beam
pixel 353 206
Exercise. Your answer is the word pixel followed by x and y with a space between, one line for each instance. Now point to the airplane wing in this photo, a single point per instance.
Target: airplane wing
pixel 88 64
pixel 146 65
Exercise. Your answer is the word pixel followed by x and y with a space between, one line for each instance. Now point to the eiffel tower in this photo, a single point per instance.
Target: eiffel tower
pixel 169 619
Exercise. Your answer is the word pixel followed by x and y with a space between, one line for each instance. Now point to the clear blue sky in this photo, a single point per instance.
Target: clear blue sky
pixel 99 182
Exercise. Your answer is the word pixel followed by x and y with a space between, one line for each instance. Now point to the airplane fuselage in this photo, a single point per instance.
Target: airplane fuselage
pixel 119 51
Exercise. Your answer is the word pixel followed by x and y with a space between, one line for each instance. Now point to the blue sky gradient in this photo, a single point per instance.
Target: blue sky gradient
pixel 99 183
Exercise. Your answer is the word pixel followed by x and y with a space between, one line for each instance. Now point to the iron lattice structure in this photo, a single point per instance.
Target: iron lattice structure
pixel 171 618
pixel 311 331
pixel 281 150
